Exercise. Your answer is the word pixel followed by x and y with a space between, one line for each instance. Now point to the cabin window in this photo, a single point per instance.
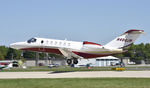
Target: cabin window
pixel 64 44
pixel 59 43
pixel 68 44
pixel 47 42
pixel 55 43
pixel 51 42
pixel 42 41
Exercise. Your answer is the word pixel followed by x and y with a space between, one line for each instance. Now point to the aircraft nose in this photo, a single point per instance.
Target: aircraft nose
pixel 13 45
pixel 17 45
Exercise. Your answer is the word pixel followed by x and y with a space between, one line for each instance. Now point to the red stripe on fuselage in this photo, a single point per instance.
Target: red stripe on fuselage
pixel 87 55
pixel 48 50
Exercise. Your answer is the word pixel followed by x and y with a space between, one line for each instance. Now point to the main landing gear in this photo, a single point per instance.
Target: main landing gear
pixel 72 61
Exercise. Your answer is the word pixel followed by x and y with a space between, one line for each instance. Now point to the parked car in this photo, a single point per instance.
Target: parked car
pixel 53 65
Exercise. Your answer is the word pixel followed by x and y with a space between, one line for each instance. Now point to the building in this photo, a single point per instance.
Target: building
pixel 96 62
pixel 44 62
pixel 99 62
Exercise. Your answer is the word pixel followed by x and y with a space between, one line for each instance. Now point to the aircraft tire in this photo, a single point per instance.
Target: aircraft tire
pixel 75 61
pixel 69 61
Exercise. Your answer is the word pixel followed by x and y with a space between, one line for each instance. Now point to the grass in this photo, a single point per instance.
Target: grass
pixel 76 83
pixel 64 68
pixel 67 68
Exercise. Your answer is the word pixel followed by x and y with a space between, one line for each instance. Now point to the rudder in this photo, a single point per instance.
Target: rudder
pixel 125 39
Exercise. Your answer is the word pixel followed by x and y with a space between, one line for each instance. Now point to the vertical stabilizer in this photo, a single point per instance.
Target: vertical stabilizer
pixel 125 39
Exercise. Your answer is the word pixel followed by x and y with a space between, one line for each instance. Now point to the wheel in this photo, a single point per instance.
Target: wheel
pixel 69 61
pixel 75 61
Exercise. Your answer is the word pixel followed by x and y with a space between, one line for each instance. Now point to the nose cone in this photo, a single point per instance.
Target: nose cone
pixel 18 45
pixel 14 46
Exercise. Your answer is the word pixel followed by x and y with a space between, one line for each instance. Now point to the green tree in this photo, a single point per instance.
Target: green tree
pixel 1 56
pixel 3 52
pixel 28 54
pixel 13 54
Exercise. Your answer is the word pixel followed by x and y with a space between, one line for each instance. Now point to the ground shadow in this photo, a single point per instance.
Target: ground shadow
pixel 57 72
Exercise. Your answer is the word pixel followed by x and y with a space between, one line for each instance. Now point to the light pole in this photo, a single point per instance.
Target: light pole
pixel 37 59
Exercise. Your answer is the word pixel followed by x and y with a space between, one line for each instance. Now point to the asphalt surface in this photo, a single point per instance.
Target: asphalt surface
pixel 86 74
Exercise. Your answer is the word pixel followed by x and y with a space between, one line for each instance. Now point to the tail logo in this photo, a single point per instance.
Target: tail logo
pixel 124 40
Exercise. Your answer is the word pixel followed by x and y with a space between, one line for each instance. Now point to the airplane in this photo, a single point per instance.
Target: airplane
pixel 73 50
pixel 6 65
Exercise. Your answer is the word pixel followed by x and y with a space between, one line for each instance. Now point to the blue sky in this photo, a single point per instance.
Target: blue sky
pixel 78 20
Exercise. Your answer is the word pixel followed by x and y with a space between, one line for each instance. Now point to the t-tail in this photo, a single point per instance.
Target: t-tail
pixel 124 40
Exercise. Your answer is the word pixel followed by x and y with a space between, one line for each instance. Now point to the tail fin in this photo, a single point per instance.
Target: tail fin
pixel 125 39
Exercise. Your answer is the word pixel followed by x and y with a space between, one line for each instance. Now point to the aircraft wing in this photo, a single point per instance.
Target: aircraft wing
pixel 68 53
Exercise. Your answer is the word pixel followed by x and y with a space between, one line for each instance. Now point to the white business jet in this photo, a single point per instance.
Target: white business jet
pixel 75 50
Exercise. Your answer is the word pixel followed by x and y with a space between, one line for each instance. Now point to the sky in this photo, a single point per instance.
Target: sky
pixel 97 21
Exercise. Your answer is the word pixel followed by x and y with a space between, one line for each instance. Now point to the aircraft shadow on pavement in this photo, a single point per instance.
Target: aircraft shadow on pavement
pixel 57 72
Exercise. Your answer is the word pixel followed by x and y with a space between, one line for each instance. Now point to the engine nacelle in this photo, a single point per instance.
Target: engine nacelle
pixel 88 45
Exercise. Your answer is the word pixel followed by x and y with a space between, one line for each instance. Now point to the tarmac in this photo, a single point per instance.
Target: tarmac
pixel 83 74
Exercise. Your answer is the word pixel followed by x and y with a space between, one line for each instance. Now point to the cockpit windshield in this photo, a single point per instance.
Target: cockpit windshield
pixel 32 40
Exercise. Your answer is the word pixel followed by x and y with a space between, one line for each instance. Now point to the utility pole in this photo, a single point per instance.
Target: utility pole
pixel 12 56
pixel 46 59
pixel 37 59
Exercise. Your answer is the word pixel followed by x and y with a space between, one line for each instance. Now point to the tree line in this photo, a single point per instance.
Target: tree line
pixel 138 52
pixel 135 53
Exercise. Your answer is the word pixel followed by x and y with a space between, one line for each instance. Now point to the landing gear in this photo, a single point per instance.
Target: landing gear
pixel 72 61
pixel 69 61
pixel 75 61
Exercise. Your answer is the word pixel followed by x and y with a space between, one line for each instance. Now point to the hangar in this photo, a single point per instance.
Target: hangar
pixel 99 62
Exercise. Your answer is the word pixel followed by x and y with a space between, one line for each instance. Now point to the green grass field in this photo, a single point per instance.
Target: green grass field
pixel 67 68
pixel 44 68
pixel 76 83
